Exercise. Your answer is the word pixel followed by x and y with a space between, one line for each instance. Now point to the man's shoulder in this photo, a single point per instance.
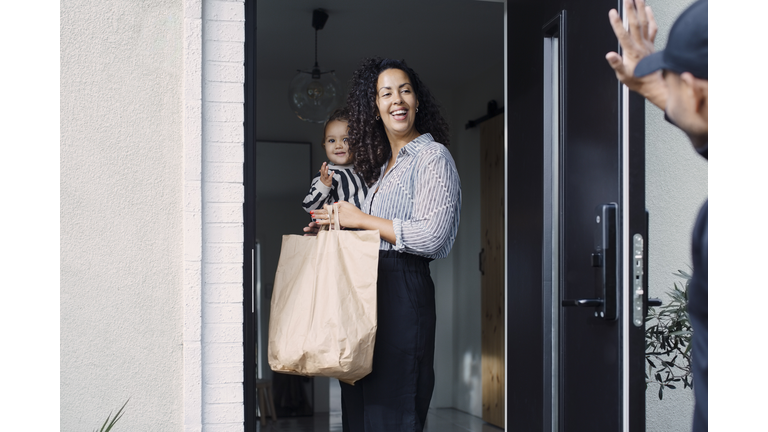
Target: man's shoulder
pixel 702 220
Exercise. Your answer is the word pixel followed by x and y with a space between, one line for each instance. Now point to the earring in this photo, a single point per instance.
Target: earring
pixel 417 110
pixel 378 118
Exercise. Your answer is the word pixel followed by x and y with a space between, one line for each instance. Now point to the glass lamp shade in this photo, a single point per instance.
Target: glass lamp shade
pixel 313 96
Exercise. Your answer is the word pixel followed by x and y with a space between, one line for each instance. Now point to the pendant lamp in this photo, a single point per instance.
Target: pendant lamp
pixel 314 94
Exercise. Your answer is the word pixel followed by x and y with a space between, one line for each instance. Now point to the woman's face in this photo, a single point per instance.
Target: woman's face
pixel 397 103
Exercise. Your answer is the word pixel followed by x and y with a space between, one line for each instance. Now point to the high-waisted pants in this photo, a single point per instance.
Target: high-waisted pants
pixel 395 396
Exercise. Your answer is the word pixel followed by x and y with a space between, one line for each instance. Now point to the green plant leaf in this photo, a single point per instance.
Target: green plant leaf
pixel 109 424
pixel 667 338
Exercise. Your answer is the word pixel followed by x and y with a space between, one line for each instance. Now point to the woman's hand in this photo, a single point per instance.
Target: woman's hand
pixel 326 176
pixel 352 217
pixel 349 215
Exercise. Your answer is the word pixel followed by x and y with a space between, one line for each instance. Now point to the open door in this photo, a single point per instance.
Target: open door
pixel 577 224
pixel 492 267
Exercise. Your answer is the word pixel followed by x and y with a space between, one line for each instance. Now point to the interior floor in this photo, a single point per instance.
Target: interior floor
pixel 438 420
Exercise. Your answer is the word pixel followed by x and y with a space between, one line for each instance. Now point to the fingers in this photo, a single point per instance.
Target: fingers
pixel 618 29
pixel 615 61
pixel 320 217
pixel 311 229
pixel 632 23
pixel 642 18
pixel 652 27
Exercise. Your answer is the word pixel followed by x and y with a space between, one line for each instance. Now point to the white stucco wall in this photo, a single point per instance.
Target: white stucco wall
pixel 121 214
pixel 676 186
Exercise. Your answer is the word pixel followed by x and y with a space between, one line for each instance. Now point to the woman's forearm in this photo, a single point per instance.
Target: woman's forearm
pixel 385 227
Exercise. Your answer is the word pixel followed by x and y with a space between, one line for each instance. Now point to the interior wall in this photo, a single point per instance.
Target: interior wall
pixel 443 278
pixel 469 102
pixel 676 186
pixel 121 214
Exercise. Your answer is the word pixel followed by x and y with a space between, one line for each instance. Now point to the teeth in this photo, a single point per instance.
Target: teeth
pixel 399 112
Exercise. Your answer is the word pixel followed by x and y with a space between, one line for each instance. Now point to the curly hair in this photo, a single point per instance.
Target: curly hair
pixel 367 137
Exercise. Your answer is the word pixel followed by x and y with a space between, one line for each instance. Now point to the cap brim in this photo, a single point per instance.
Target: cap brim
pixel 650 64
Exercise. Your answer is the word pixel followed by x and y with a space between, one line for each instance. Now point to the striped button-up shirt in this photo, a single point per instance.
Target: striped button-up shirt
pixel 421 194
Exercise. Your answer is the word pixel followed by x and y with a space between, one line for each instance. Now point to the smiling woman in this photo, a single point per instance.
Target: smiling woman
pixel 371 93
pixel 397 135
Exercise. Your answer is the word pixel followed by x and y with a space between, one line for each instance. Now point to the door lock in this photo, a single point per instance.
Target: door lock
pixel 605 260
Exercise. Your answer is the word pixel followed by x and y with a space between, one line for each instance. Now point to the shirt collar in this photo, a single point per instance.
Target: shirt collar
pixel 411 149
pixel 415 146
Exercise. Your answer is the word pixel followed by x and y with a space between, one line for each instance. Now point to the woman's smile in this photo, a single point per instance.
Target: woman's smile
pixel 400 114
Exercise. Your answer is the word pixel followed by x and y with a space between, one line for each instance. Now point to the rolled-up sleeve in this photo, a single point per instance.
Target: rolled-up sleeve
pixel 436 207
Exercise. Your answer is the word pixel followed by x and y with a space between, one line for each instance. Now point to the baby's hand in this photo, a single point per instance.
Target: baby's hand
pixel 311 229
pixel 326 176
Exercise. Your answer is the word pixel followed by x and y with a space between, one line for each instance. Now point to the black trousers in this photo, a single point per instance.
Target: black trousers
pixel 395 396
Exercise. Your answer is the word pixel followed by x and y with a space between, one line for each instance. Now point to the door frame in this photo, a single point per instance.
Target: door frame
pixel 250 323
pixel 526 325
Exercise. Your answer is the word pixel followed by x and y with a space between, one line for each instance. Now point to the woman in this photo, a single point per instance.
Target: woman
pixel 398 138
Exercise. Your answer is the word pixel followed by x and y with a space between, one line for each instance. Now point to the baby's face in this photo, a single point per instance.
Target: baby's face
pixel 336 146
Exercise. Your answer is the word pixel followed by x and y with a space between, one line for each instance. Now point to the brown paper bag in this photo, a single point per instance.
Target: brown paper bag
pixel 323 312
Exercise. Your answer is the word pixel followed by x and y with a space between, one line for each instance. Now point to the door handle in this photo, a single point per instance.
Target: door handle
pixel 584 302
pixel 605 260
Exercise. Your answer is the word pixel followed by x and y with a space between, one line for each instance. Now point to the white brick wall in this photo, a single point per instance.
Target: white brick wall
pixel 213 183
pixel 222 214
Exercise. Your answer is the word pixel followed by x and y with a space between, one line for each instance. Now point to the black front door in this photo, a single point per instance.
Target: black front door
pixel 576 292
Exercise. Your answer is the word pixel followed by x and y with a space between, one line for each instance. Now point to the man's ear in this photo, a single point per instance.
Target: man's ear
pixel 698 88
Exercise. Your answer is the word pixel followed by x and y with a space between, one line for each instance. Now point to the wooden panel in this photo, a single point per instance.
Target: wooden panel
pixel 492 267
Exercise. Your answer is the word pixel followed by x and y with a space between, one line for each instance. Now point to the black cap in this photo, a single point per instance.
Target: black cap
pixel 687 47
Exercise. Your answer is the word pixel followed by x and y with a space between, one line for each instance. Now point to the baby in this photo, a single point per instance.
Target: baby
pixel 336 180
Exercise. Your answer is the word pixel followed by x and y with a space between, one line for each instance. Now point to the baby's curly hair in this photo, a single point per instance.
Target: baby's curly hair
pixel 367 137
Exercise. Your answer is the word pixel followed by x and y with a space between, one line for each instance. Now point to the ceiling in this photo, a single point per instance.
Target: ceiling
pixel 446 41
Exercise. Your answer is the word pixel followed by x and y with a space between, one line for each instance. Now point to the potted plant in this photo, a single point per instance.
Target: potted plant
pixel 668 340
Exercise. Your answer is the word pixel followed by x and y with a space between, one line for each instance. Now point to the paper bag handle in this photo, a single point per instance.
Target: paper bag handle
pixel 333 215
